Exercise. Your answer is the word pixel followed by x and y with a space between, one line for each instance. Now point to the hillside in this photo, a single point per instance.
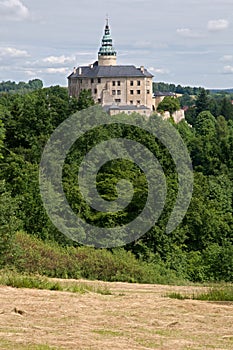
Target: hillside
pixel 228 91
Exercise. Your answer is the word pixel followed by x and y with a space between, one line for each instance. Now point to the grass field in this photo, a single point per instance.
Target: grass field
pixel 129 316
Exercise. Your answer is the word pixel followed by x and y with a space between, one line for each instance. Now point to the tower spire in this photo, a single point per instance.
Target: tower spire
pixel 107 54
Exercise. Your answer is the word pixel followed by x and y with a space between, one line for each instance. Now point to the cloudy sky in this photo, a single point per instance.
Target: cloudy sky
pixel 182 42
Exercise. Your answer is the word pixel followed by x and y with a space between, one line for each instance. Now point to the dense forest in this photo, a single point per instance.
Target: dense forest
pixel 199 249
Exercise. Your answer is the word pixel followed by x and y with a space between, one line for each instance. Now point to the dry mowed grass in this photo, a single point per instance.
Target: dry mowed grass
pixel 132 317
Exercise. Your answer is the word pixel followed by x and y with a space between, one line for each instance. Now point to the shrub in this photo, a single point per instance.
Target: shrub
pixel 8 222
pixel 32 255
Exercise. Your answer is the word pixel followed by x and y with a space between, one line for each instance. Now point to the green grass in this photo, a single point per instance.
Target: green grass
pixel 108 332
pixel 17 280
pixel 220 293
pixel 217 294
pixel 5 344
pixel 175 295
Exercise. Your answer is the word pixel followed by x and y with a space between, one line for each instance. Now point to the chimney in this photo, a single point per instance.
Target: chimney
pixel 80 71
pixel 142 68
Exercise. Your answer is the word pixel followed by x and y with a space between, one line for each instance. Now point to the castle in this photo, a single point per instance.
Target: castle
pixel 118 88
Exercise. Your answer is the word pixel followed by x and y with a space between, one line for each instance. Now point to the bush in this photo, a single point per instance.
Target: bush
pixel 8 222
pixel 218 261
pixel 32 255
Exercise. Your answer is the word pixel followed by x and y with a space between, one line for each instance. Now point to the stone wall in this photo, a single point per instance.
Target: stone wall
pixel 123 91
pixel 177 116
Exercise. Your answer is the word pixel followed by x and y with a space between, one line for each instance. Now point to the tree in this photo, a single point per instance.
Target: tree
pixel 9 223
pixel 186 100
pixel 226 109
pixel 85 100
pixel 2 136
pixel 35 84
pixel 169 104
pixel 202 102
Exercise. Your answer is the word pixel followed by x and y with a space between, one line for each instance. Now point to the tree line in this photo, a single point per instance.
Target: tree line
pixel 199 249
pixel 12 86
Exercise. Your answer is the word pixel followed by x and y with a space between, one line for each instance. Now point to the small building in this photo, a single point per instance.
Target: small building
pixel 118 88
pixel 159 96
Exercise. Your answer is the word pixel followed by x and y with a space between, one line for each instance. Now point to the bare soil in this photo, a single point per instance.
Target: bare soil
pixel 133 317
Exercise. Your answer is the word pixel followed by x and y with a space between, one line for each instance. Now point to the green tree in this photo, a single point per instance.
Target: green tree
pixel 186 100
pixel 85 100
pixel 8 222
pixel 168 104
pixel 204 150
pixel 202 102
pixel 226 109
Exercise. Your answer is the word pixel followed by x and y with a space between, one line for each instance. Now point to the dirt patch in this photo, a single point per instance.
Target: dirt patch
pixel 133 317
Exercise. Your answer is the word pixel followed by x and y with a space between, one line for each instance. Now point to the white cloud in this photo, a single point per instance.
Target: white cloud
pixel 188 33
pixel 59 59
pixel 217 25
pixel 198 52
pixel 158 70
pixel 13 10
pixel 12 52
pixel 144 44
pixel 228 69
pixel 62 70
pixel 226 58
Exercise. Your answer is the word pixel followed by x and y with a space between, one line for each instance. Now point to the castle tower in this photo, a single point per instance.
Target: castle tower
pixel 107 54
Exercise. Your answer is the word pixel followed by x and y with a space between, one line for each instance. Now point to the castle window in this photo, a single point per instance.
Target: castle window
pixel 99 80
pixel 117 100
pixel 138 102
pixel 138 83
pixel 131 102
pixel 95 91
pixel 131 83
pixel 92 81
pixel 81 81
pixel 118 92
pixel 131 92
pixel 113 83
pixel 113 92
pixel 138 92
pixel 148 91
pixel 119 83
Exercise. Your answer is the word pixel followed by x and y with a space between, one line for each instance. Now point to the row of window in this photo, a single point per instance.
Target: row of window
pixel 118 83
pixel 114 83
pixel 92 81
pixel 132 92
pixel 118 92
pixel 98 80
pixel 118 100
pixel 132 83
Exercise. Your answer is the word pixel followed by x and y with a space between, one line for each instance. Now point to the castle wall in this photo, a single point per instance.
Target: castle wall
pixel 122 91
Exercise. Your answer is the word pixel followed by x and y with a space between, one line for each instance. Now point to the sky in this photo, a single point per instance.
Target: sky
pixel 182 42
